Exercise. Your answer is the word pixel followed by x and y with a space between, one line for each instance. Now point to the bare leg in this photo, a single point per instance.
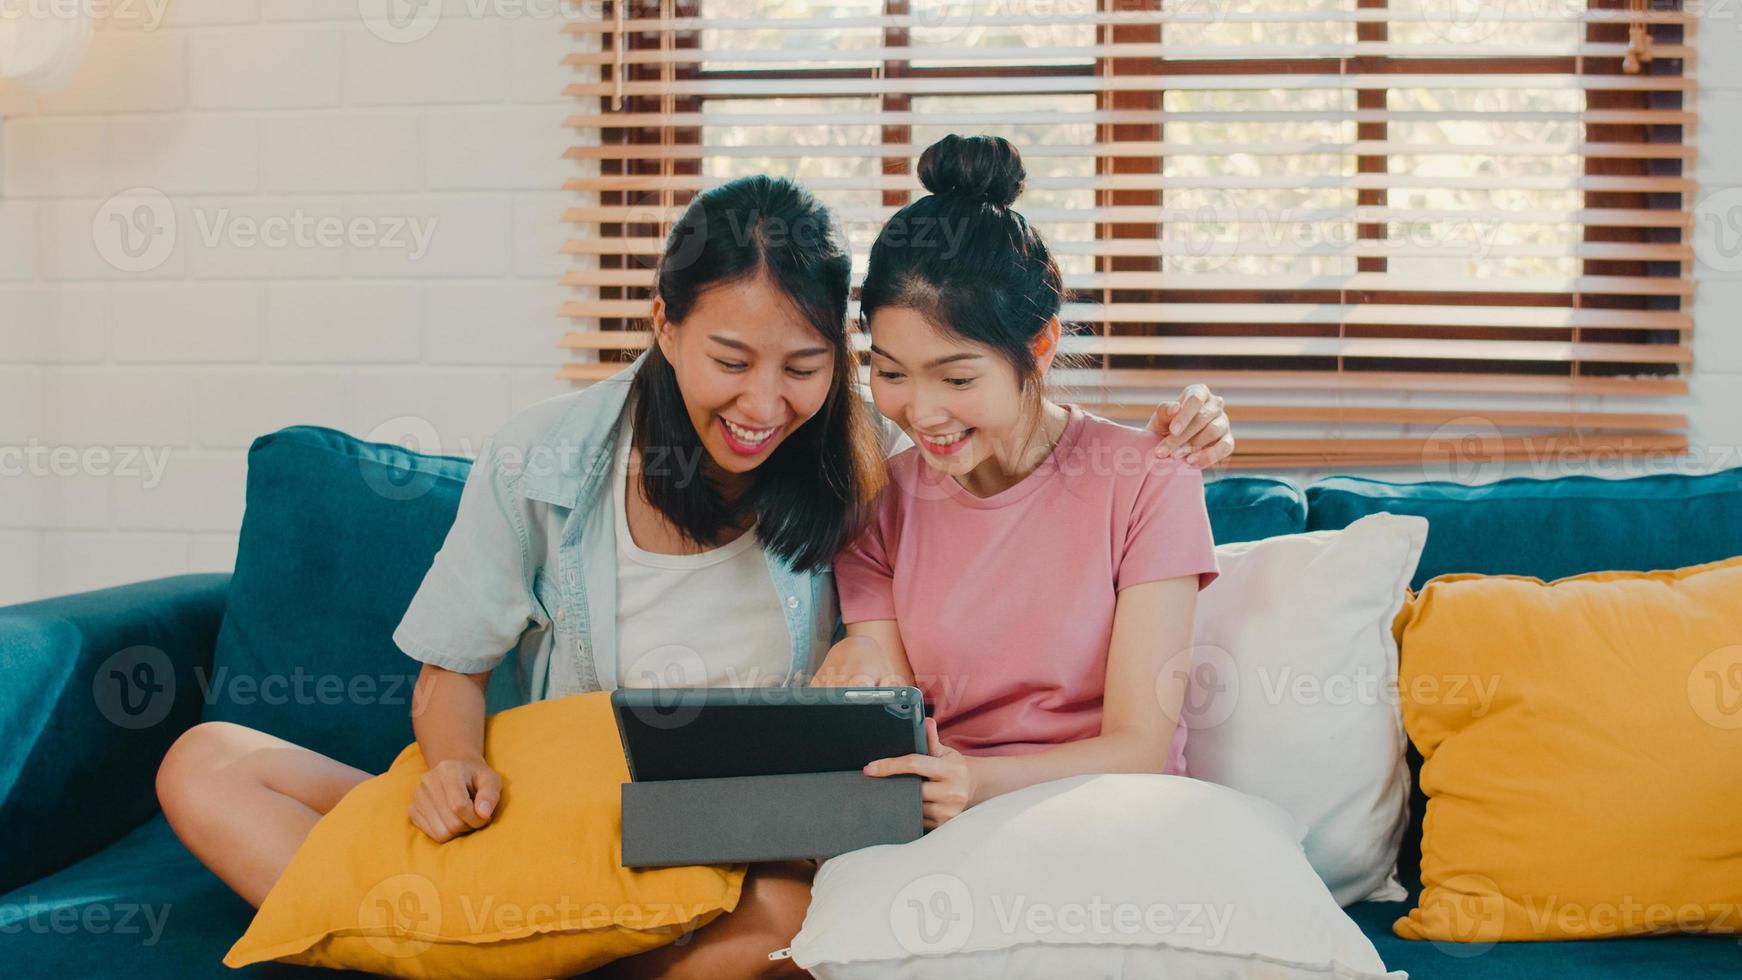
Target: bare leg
pixel 769 913
pixel 242 800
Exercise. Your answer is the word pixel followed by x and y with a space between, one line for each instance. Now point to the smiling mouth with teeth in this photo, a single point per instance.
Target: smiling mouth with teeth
pixel 945 445
pixel 747 436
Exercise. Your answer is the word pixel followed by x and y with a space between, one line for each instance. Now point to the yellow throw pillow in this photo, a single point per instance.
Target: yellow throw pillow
pixel 1582 747
pixel 539 892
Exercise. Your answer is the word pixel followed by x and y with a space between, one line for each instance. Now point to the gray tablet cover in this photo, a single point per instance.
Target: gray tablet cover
pixel 766 818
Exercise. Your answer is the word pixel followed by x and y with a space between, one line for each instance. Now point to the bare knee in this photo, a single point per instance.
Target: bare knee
pixel 192 766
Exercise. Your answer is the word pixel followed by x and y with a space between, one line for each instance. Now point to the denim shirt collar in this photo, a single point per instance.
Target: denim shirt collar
pixel 569 467
pixel 571 459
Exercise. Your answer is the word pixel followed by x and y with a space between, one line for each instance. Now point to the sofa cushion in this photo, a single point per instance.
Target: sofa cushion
pixel 1571 719
pixel 1292 646
pixel 336 536
pixel 143 908
pixel 1246 508
pixel 539 892
pixel 1551 528
pixel 1637 958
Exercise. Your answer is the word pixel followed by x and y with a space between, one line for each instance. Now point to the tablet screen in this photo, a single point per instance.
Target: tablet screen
pixel 718 732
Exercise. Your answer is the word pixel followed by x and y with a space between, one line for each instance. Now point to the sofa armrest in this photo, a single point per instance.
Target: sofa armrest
pixel 94 688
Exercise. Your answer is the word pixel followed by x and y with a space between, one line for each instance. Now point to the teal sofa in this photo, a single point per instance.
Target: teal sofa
pixel 336 537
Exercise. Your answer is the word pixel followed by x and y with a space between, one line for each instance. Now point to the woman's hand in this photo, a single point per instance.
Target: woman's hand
pixel 950 786
pixel 454 797
pixel 1194 428
pixel 857 661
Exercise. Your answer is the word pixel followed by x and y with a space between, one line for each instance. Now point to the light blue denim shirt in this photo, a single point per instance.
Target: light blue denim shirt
pixel 530 564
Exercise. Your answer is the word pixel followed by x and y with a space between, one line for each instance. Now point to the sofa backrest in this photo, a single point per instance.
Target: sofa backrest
pixel 1551 528
pixel 336 536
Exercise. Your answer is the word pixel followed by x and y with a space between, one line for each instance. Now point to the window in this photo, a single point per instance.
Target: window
pixel 1378 229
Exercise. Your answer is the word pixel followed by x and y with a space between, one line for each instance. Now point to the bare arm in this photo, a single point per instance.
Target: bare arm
pixel 871 656
pixel 460 790
pixel 1147 665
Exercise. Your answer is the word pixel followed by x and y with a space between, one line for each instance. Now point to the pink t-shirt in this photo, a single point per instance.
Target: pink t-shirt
pixel 1005 603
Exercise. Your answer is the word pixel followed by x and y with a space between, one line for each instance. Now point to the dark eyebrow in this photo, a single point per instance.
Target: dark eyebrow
pixel 947 359
pixel 746 348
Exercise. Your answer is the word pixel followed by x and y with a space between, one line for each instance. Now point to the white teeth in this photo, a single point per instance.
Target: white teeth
pixel 948 440
pixel 748 436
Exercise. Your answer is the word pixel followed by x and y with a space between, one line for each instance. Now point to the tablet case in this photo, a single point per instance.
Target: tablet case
pixel 766 818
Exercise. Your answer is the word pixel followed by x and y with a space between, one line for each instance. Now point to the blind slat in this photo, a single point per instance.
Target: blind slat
pixel 1332 314
pixel 1374 347
pixel 790 151
pixel 1613 251
pixel 964 16
pixel 1175 82
pixel 638 120
pixel 1152 182
pixel 1143 214
pixel 919 53
pixel 1355 282
pixel 1317 381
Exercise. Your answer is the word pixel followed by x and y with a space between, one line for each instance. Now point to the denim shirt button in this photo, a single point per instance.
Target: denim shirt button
pixel 792 602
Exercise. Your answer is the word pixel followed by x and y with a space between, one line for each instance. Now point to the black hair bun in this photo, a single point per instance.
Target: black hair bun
pixel 983 168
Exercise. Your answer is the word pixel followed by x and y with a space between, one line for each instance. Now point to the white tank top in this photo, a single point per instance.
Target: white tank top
pixel 706 620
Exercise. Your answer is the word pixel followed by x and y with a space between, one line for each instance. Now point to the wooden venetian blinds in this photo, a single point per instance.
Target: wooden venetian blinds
pixel 1370 225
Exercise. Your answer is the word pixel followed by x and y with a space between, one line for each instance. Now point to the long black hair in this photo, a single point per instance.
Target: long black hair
pixel 813 493
pixel 963 259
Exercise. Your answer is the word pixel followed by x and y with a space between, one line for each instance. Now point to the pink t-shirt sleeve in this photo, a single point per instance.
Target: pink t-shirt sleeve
pixel 1169 532
pixel 865 573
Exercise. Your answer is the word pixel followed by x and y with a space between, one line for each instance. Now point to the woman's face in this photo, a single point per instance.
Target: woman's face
pixel 961 402
pixel 751 367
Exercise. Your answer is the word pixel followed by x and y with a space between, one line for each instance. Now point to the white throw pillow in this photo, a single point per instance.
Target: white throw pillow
pixel 1130 875
pixel 1293 693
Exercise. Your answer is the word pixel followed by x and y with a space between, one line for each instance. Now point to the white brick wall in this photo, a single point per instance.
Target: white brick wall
pixel 246 112
pixel 249 116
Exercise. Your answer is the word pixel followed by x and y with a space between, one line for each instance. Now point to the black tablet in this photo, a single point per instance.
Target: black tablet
pixel 707 733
